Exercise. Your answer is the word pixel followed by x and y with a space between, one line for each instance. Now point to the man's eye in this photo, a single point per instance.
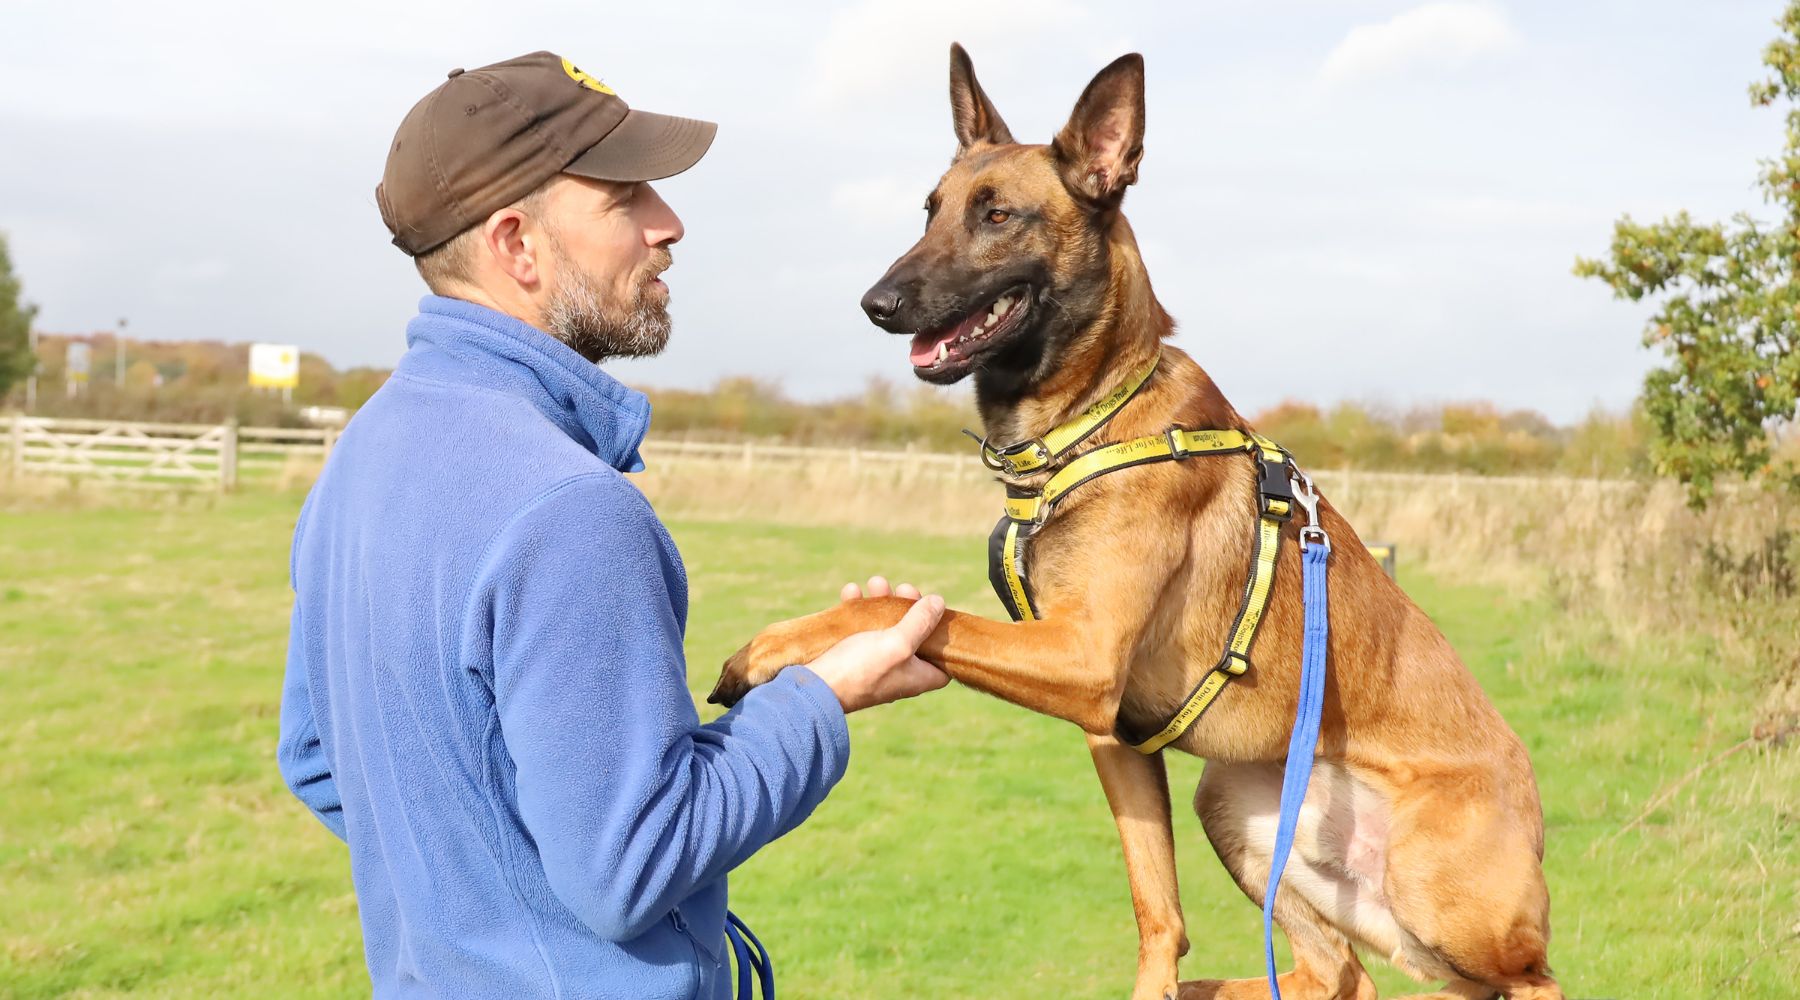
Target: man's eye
pixel 997 216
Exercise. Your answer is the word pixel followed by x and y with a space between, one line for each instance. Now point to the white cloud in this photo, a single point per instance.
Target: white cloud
pixel 879 45
pixel 1440 36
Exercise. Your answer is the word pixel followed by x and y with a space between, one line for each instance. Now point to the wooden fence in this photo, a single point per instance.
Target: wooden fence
pixel 155 456
pixel 966 466
pixel 217 456
pixel 908 464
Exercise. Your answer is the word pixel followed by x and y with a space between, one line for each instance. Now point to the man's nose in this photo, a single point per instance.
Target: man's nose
pixel 663 226
pixel 882 303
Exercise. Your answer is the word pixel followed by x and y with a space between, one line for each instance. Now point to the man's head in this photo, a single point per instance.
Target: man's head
pixel 523 186
pixel 576 258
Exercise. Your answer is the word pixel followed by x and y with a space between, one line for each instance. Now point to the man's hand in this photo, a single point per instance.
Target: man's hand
pixel 874 668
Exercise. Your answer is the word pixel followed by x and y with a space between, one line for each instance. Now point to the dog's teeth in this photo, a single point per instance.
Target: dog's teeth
pixel 943 351
pixel 1003 305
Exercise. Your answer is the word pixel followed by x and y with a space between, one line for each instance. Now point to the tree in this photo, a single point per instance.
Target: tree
pixel 1729 322
pixel 16 359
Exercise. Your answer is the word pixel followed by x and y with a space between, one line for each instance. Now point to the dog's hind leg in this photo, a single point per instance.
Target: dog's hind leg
pixel 1137 790
pixel 1465 878
pixel 1237 805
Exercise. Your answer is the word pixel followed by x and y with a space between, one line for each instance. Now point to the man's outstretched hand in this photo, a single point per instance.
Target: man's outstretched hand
pixel 874 668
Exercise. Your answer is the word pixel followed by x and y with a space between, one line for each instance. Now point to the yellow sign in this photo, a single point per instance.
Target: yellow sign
pixel 274 366
pixel 585 80
pixel 79 361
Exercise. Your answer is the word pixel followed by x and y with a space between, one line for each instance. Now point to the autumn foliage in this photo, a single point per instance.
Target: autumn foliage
pixel 188 381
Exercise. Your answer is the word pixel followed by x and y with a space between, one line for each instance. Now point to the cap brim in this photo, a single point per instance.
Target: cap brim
pixel 645 147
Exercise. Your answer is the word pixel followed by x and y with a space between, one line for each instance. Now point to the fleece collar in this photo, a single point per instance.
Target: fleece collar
pixel 454 340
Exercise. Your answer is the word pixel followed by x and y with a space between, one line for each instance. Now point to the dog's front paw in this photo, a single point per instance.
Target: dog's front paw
pixel 757 662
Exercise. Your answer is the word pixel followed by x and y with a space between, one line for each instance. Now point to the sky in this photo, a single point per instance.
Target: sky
pixel 1339 199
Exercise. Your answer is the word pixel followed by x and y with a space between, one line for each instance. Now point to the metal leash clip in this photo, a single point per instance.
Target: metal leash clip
pixel 1307 496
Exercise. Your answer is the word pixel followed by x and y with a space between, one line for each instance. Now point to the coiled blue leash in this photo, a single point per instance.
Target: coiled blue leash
pixel 745 958
pixel 1315 555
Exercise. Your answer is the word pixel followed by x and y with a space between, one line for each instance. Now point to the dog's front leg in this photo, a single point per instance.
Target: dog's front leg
pixel 1050 667
pixel 1137 790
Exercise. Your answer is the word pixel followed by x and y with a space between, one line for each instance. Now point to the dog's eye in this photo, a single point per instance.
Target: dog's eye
pixel 997 216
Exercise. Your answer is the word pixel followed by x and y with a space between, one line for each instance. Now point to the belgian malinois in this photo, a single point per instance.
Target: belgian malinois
pixel 1422 837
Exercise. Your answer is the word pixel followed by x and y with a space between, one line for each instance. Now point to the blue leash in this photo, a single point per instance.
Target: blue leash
pixel 747 959
pixel 1315 555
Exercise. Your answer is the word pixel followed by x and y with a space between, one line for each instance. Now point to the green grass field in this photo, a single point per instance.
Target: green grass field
pixel 147 846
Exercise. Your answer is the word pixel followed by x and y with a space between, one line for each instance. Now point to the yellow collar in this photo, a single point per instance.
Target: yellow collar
pixel 1030 456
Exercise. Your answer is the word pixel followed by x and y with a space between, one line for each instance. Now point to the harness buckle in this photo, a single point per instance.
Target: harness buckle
pixel 1276 486
pixel 1177 450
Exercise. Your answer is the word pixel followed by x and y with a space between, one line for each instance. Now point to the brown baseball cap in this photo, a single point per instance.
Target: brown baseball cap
pixel 487 137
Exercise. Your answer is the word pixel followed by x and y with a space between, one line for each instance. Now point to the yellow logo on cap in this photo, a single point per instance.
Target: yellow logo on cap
pixel 585 80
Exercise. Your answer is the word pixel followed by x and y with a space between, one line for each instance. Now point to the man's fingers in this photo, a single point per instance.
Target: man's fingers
pixel 914 677
pixel 878 586
pixel 919 620
pixel 930 676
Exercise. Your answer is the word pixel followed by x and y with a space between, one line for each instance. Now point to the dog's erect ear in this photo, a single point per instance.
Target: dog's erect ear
pixel 970 110
pixel 1099 149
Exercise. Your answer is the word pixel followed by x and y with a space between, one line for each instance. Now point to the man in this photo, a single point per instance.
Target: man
pixel 485 692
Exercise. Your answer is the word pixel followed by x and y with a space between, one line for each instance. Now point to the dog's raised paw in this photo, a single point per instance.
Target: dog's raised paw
pixel 733 681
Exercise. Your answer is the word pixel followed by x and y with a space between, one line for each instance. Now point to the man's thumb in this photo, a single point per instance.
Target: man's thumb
pixel 919 620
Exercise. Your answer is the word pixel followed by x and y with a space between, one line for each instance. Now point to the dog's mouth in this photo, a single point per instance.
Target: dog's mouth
pixel 948 353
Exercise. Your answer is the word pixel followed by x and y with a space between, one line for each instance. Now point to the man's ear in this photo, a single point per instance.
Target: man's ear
pixel 971 112
pixel 514 253
pixel 1099 149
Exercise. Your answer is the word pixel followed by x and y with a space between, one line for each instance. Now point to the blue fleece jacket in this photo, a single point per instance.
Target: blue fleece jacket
pixel 486 695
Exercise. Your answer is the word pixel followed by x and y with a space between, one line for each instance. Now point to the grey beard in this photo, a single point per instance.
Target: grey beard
pixel 579 315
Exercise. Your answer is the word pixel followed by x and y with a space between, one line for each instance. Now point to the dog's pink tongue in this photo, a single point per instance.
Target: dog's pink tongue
pixel 925 346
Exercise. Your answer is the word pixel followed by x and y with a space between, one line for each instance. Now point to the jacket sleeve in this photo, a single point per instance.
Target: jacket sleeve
pixel 299 753
pixel 633 804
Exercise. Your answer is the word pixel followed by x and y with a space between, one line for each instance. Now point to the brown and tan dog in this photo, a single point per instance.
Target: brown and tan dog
pixel 1422 837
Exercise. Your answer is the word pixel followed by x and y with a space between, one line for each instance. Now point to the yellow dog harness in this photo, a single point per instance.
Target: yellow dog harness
pixel 1028 509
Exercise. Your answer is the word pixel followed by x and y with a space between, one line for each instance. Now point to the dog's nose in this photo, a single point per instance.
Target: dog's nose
pixel 882 303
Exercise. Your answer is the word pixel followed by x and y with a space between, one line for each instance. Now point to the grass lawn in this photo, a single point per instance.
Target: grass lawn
pixel 148 847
